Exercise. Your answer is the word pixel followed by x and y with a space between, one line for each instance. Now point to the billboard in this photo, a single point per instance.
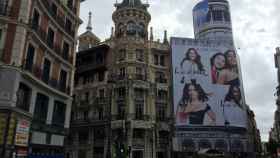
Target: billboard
pixel 207 88
pixel 22 133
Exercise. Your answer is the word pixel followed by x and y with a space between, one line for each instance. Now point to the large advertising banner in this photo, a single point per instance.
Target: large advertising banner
pixel 207 88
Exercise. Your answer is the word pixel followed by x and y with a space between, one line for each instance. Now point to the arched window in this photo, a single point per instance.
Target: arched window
pixel 141 30
pixel 131 28
pixel 120 31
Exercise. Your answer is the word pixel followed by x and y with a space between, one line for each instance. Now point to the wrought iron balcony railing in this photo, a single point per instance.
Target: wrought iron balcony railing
pixel 60 20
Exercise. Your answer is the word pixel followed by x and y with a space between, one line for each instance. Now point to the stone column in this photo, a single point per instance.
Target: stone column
pixel 50 111
pixel 33 101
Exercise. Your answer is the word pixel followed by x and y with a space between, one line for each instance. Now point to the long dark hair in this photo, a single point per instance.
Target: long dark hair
pixel 227 62
pixel 197 59
pixel 202 95
pixel 230 96
pixel 212 60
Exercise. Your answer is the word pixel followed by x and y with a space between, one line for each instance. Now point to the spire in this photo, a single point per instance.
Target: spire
pixel 151 34
pixel 89 27
pixel 112 32
pixel 165 37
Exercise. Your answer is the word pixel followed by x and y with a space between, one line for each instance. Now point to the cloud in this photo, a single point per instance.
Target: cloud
pixel 256 32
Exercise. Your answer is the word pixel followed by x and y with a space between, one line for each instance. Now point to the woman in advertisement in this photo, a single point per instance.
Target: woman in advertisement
pixel 224 68
pixel 191 64
pixel 234 113
pixel 193 108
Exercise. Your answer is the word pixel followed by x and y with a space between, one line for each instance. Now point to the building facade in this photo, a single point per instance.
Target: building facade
pixel 274 135
pixel 122 94
pixel 217 129
pixel 38 42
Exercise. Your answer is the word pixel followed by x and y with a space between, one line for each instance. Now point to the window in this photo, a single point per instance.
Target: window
pixel 65 52
pixel 162 95
pixel 227 16
pixel 137 154
pixel 100 113
pixel 87 96
pixel 141 30
pixel 53 9
pixel 218 15
pixel 50 37
pixel 3 7
pixel 101 93
pixel 70 3
pixel 41 108
pixel 68 25
pixel 46 71
pixel 121 92
pixel 122 73
pixel 29 58
pixel 161 112
pixel 139 73
pixel 59 113
pixel 121 111
pixel 160 77
pixel 138 133
pixel 162 60
pixel 99 59
pixel 139 110
pixel 120 30
pixel 101 76
pixel 131 28
pixel 139 94
pixel 122 54
pixel 23 97
pixel 83 136
pixel 139 55
pixel 156 62
pixel 35 19
pixel 63 80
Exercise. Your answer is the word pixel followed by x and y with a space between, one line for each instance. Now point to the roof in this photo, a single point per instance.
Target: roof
pixel 89 34
pixel 132 4
pixel 90 50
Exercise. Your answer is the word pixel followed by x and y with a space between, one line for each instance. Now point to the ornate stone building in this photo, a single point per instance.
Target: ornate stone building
pixel 122 94
pixel 37 46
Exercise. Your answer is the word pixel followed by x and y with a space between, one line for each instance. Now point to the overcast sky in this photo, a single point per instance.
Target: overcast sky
pixel 256 28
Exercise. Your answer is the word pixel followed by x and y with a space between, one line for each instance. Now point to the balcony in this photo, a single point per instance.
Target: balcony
pixel 5 10
pixel 161 80
pixel 43 36
pixel 140 77
pixel 69 6
pixel 140 117
pixel 38 73
pixel 139 142
pixel 161 100
pixel 59 20
pixel 119 117
pixel 101 100
pixel 162 119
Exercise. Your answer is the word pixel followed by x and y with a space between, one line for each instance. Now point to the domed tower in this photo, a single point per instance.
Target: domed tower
pixel 131 19
pixel 138 65
pixel 212 20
